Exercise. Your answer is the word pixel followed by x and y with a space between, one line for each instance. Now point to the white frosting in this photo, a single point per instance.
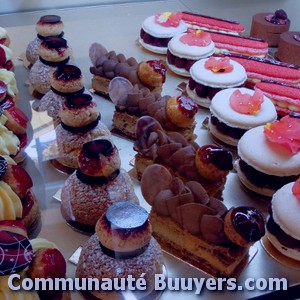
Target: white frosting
pixel 3 33
pixel 264 156
pixel 286 210
pixel 178 48
pixel 221 108
pixel 9 78
pixel 151 27
pixel 221 80
pixel 8 52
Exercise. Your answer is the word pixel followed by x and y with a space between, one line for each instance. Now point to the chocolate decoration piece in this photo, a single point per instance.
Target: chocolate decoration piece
pixel 43 37
pixel 54 64
pixel 81 129
pixel 248 222
pixel 123 255
pixel 100 180
pixel 77 101
pixel 3 166
pixel 294 114
pixel 15 252
pixel 92 149
pixel 50 19
pixel 67 72
pixel 67 94
pixel 126 216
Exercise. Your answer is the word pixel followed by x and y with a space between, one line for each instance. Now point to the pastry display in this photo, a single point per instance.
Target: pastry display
pixel 157 31
pixel 98 182
pixel 210 75
pixel 53 52
pixel 258 69
pixel 47 25
pixel 197 228
pixel 269 26
pixel 207 164
pixel 17 199
pixel 185 49
pixel 289 47
pixel 269 156
pixel 4 37
pixel 236 110
pixel 80 123
pixel 6 58
pixel 172 112
pixel 122 246
pixel 107 65
pixel 286 98
pixel 204 22
pixel 283 225
pixel 239 44
pixel 66 81
pixel 35 259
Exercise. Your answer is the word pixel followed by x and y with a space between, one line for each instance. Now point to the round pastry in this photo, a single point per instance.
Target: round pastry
pixel 6 58
pixel 16 120
pixel 283 226
pixel 157 31
pixel 236 110
pixel 185 49
pixel 244 225
pixel 53 52
pixel 4 37
pixel 269 26
pixel 210 75
pixel 126 227
pixel 47 25
pixel 181 111
pixel 95 185
pixel 213 162
pixel 269 156
pixel 289 47
pixel 80 123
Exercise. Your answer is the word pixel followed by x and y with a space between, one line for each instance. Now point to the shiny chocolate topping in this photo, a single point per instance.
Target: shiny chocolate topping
pixel 216 155
pixel 50 19
pixel 248 222
pixel 77 101
pixel 54 42
pixel 158 67
pixel 3 166
pixel 94 148
pixel 187 106
pixel 67 73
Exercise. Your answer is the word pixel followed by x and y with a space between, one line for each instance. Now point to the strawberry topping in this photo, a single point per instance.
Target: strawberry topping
pixel 168 19
pixel 219 65
pixel 18 115
pixel 198 38
pixel 245 103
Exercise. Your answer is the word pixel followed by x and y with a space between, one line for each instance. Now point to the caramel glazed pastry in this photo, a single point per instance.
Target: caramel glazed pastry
pixel 66 81
pixel 53 52
pixel 196 227
pixel 122 246
pixel 95 185
pixel 131 102
pixel 80 123
pixel 107 65
pixel 48 25
pixel 207 164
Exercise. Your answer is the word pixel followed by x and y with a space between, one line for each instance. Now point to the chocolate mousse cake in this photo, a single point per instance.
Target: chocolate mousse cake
pixel 289 48
pixel 175 114
pixel 122 246
pixel 269 26
pixel 207 164
pixel 196 228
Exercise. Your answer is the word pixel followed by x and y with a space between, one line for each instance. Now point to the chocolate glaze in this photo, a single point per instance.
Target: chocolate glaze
pixel 92 149
pixel 43 37
pixel 54 42
pixel 67 94
pixel 3 166
pixel 209 17
pixel 54 64
pixel 294 114
pixel 78 101
pixel 248 222
pixel 67 73
pixel 99 180
pixel 50 19
pixel 81 129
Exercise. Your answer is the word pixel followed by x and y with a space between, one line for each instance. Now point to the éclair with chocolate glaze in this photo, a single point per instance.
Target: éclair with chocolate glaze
pixel 197 228
pixel 98 182
pixel 6 57
pixel 108 65
pixel 131 102
pixel 157 31
pixel 4 37
pixel 258 69
pixel 283 227
pixel 289 48
pixel 286 98
pixel 182 158
pixel 205 81
pixel 264 167
pixel 53 52
pixel 199 21
pixel 187 48
pixel 130 250
pixel 228 124
pixel 67 80
pixel 80 123
pixel 47 25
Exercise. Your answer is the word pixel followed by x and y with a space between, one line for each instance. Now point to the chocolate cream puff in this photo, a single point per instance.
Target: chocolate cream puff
pixel 98 182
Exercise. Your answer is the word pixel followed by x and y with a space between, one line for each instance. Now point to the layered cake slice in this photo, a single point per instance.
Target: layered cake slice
pixel 197 228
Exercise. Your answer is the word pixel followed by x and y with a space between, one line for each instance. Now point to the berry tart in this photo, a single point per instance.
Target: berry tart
pixel 196 228
pixel 122 246
pixel 98 182
pixel 157 31
pixel 80 123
